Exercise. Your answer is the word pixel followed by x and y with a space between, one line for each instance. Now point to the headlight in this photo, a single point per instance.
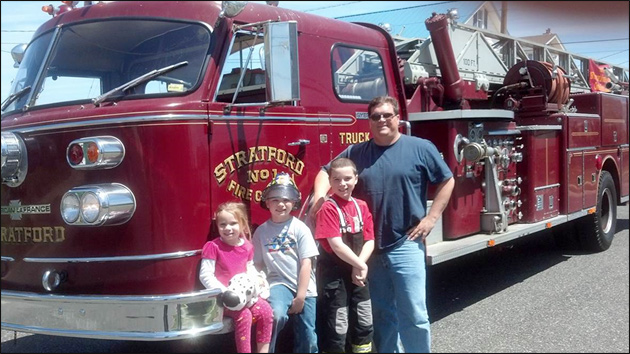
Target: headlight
pixel 70 208
pixel 98 205
pixel 90 207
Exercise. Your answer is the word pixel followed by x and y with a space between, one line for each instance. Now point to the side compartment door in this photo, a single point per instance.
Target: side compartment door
pixel 625 170
pixel 575 184
pixel 583 140
pixel 590 179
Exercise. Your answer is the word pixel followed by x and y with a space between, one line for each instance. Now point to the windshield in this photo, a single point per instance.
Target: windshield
pixel 90 59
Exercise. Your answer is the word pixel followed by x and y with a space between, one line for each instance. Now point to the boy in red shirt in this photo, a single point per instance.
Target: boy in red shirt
pixel 346 234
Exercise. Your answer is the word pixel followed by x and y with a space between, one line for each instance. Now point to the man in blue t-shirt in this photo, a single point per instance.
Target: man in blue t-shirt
pixel 394 172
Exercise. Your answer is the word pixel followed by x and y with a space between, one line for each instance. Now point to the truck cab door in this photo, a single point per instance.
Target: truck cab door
pixel 257 128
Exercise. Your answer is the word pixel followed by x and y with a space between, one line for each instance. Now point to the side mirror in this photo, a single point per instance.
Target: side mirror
pixel 18 54
pixel 281 62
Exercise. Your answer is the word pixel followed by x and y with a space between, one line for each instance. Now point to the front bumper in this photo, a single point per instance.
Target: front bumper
pixel 160 317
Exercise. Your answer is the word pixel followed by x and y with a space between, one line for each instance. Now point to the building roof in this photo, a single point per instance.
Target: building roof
pixel 547 38
pixel 409 21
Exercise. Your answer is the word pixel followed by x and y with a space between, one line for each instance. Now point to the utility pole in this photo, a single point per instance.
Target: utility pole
pixel 504 12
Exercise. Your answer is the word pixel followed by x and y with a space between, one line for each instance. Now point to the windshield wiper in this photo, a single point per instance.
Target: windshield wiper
pixel 137 81
pixel 14 97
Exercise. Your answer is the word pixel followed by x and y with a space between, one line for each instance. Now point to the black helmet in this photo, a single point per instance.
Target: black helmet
pixel 282 186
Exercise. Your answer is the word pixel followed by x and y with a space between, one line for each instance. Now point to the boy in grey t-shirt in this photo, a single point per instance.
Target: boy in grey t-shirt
pixel 285 248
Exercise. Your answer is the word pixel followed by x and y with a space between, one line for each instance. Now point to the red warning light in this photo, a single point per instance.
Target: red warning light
pixel 75 154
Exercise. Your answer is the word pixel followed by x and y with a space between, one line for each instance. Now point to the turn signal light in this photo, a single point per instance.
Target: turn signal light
pixel 95 153
pixel 92 152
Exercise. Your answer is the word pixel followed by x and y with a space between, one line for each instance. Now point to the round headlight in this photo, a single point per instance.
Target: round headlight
pixel 70 206
pixel 90 207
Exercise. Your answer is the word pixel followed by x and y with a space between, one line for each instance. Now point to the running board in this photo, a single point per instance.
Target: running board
pixel 451 249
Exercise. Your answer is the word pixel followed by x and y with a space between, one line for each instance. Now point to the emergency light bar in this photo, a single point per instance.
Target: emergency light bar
pixel 64 7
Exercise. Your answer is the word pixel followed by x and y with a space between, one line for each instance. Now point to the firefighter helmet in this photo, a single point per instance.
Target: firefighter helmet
pixel 282 186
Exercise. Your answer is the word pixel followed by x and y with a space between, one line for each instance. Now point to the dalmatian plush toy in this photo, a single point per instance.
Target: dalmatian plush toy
pixel 244 290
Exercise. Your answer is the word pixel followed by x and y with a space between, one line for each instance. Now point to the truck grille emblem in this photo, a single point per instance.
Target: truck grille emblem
pixel 15 209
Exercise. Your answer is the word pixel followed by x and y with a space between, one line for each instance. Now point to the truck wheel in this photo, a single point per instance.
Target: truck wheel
pixel 598 230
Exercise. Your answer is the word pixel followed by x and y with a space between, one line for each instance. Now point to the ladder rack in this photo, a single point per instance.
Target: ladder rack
pixel 486 56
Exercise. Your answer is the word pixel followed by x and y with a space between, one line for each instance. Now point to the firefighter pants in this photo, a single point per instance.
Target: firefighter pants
pixel 344 309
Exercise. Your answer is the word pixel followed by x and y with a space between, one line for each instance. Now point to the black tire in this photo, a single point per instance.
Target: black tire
pixel 598 230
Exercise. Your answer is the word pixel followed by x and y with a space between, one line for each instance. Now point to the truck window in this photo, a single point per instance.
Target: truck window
pixel 76 88
pixel 357 74
pixel 253 86
pixel 92 58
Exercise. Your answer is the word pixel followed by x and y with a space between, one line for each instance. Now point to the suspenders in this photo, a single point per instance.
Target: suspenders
pixel 345 228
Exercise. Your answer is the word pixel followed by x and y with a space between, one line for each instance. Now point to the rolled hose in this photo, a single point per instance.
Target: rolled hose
pixel 541 75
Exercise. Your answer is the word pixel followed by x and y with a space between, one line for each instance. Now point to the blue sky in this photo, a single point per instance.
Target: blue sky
pixel 600 28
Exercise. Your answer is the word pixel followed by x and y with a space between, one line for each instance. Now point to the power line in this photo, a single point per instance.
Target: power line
pixel 402 8
pixel 598 40
pixel 447 2
pixel 331 6
pixel 377 12
pixel 610 55
pixel 601 51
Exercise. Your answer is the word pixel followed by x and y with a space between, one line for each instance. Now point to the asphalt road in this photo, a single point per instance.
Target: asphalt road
pixel 528 296
pixel 534 297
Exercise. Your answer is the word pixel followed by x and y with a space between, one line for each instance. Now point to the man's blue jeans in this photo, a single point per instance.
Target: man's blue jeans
pixel 398 288
pixel 305 338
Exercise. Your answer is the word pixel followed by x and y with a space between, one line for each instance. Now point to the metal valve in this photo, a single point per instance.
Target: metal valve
pixel 474 152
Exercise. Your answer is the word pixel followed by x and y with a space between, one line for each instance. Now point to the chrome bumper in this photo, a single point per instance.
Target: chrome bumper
pixel 148 318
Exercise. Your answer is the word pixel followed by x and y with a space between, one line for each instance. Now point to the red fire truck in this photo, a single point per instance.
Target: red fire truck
pixel 129 122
